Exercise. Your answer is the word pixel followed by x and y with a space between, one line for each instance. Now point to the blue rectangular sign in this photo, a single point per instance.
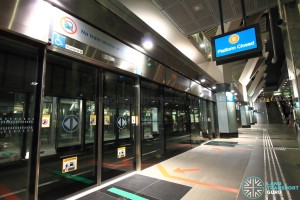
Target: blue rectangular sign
pixel 229 97
pixel 235 43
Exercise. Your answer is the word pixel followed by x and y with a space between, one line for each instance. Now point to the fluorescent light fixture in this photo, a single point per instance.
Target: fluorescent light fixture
pixel 232 91
pixel 202 80
pixel 202 45
pixel 214 87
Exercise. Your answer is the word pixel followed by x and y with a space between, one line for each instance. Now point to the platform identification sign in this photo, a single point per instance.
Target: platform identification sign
pixel 69 164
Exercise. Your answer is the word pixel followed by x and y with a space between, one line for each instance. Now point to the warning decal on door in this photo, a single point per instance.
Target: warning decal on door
pixel 93 119
pixel 69 164
pixel 106 120
pixel 45 121
pixel 121 152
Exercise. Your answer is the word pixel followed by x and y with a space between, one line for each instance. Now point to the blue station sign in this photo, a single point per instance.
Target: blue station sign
pixel 237 44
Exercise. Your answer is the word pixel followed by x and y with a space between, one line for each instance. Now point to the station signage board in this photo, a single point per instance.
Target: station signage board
pixel 237 45
pixel 66 26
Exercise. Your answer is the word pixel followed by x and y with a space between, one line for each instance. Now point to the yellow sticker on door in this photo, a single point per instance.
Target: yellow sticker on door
pixel 106 120
pixel 121 152
pixel 69 164
pixel 93 119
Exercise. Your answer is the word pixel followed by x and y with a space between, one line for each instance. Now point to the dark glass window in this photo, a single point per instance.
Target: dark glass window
pixel 119 125
pixel 18 66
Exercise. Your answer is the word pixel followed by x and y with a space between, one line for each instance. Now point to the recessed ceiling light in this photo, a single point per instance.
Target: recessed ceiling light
pixel 198 7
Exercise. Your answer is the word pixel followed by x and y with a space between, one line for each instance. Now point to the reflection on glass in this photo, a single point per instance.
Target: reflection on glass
pixel 90 122
pixel 48 126
pixel 14 126
pixel 153 147
pixel 203 117
pixel 177 121
pixel 195 111
pixel 109 125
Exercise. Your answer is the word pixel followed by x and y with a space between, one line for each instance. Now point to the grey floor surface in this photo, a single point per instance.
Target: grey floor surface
pixel 262 163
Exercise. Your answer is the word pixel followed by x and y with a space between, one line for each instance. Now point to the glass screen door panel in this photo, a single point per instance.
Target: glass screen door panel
pixel 68 158
pixel 177 121
pixel 153 146
pixel 119 125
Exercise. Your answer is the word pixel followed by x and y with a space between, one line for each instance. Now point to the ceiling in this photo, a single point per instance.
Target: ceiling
pixel 202 16
pixel 192 16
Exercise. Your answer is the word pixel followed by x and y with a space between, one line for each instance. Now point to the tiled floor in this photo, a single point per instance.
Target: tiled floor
pixel 221 169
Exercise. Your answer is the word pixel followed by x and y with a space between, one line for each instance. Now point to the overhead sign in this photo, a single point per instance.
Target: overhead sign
pixel 69 164
pixel 121 122
pixel 70 123
pixel 237 44
pixel 69 26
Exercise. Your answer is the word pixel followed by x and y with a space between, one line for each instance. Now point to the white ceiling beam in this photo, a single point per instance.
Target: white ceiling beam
pixel 258 90
pixel 256 80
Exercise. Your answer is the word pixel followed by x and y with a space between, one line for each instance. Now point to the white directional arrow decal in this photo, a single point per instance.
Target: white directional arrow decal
pixel 70 123
pixel 121 122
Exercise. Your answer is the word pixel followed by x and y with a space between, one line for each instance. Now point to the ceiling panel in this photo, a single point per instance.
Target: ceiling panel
pixel 178 14
pixel 165 3
pixel 181 12
pixel 206 22
pixel 190 28
pixel 198 8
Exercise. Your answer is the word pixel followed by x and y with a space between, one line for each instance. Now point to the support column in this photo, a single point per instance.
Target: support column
pixel 245 116
pixel 226 111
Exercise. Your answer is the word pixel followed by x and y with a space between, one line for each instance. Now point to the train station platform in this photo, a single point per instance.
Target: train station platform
pixel 262 163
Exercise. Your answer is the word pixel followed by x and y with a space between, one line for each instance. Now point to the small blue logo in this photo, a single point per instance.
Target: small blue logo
pixel 253 187
pixel 58 40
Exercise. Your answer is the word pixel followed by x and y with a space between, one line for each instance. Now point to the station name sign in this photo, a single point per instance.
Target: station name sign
pixel 237 45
